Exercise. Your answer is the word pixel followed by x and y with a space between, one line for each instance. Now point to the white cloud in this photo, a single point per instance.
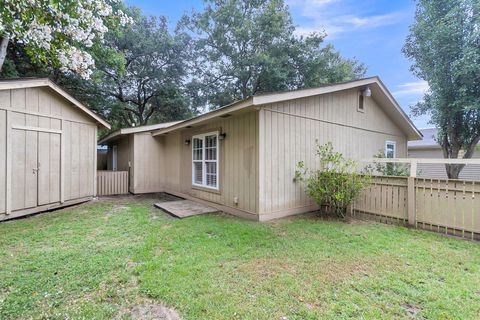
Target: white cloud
pixel 411 89
pixel 339 16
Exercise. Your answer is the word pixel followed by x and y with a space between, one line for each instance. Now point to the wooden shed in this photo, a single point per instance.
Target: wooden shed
pixel 242 158
pixel 49 142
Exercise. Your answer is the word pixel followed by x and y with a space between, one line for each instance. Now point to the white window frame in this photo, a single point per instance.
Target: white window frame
pixel 394 143
pixel 204 162
pixel 360 96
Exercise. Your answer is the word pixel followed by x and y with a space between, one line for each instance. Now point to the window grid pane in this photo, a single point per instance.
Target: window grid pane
pixel 390 152
pixel 198 172
pixel 211 172
pixel 204 155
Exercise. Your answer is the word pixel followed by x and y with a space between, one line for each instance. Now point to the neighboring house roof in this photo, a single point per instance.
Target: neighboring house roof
pixel 21 83
pixel 379 92
pixel 428 141
pixel 139 129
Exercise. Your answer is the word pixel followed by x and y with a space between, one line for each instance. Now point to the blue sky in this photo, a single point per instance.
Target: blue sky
pixel 372 31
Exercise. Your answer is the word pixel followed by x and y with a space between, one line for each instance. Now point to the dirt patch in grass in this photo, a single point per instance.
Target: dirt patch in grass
pixel 151 311
pixel 360 222
pixel 115 210
pixel 410 309
pixel 332 271
pixel 265 268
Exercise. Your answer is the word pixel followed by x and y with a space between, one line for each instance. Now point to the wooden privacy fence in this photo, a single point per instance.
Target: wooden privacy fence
pixel 441 205
pixel 112 182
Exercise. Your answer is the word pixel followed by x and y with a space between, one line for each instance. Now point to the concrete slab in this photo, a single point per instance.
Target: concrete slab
pixel 184 208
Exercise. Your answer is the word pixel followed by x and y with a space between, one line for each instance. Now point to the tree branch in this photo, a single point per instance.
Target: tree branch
pixel 3 50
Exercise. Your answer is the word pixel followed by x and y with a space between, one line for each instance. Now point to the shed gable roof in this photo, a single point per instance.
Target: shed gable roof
pixel 379 91
pixel 7 84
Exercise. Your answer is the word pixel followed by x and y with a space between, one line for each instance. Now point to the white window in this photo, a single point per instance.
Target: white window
pixel 390 149
pixel 361 102
pixel 205 160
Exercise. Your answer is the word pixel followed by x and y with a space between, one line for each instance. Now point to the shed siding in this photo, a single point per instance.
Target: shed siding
pixel 289 133
pixel 45 109
pixel 238 165
pixel 437 171
pixel 3 157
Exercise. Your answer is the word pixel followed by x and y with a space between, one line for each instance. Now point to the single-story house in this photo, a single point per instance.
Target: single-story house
pixel 242 158
pixel 428 148
pixel 48 140
pixel 130 146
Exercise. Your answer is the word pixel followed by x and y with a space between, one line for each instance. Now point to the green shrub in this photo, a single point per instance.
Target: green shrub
pixel 389 169
pixel 336 184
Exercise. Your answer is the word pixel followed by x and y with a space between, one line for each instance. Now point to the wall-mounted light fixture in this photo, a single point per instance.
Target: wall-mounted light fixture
pixel 367 92
pixel 222 136
pixel 187 142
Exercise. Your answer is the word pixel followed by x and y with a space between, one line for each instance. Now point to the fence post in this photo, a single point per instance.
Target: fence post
pixel 411 201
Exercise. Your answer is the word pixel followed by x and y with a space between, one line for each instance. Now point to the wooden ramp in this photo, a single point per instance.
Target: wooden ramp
pixel 184 208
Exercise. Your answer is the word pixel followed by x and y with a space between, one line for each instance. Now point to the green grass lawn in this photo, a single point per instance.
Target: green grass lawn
pixel 103 259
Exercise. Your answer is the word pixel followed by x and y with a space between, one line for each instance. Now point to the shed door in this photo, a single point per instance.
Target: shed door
pixel 35 168
pixel 24 169
pixel 48 168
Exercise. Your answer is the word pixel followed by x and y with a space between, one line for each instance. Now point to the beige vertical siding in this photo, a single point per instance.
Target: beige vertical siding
pixel 124 146
pixel 289 131
pixel 3 155
pixel 238 165
pixel 437 171
pixel 171 157
pixel 141 155
pixel 49 116
pixel 260 153
pixel 148 175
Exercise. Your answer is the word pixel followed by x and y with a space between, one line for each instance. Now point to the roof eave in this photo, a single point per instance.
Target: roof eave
pixel 134 130
pixel 77 103
pixel 410 130
pixel 238 105
pixel 110 137
pixel 416 134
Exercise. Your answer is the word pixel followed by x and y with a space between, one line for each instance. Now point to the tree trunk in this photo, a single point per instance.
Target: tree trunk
pixel 453 170
pixel 3 50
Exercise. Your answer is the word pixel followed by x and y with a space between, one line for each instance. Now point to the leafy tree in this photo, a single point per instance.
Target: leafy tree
pixel 248 47
pixel 444 44
pixel 337 183
pixel 148 83
pixel 60 33
pixel 388 169
pixel 139 75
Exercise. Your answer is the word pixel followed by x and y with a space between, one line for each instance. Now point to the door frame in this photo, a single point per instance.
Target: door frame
pixel 10 128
